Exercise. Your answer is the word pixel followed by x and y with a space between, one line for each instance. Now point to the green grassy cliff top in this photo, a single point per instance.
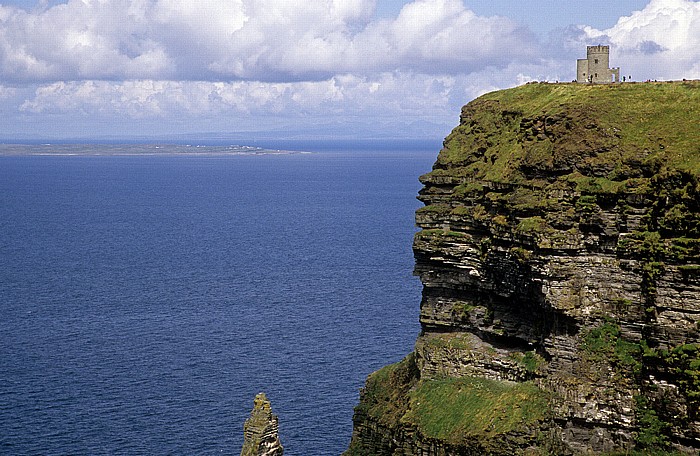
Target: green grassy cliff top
pixel 545 131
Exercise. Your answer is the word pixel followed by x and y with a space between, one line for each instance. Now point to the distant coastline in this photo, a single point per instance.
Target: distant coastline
pixel 143 147
pixel 87 149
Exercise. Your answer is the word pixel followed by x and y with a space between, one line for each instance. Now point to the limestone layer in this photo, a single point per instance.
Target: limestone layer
pixel 560 256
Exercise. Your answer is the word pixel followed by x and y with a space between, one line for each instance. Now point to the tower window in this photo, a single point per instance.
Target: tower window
pixel 596 60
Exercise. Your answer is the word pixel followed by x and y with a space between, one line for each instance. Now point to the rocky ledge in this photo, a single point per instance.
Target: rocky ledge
pixel 560 256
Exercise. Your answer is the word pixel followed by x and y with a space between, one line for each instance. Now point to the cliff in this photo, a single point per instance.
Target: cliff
pixel 560 257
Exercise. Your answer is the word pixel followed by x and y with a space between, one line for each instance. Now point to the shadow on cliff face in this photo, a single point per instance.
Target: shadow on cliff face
pixel 502 302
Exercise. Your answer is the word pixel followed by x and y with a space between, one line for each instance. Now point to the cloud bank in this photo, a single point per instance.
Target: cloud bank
pixel 261 40
pixel 179 60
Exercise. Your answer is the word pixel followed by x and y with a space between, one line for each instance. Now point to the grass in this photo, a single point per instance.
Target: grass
pixel 454 409
pixel 469 188
pixel 645 243
pixel 638 125
pixel 452 341
pixel 604 343
pixel 683 362
pixel 385 396
pixel 531 225
pixel 530 361
pixel 601 141
pixel 658 117
pixel 451 409
pixel 652 430
pixel 596 185
pixel 439 233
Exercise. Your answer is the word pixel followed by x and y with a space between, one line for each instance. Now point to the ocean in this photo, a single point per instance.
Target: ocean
pixel 147 297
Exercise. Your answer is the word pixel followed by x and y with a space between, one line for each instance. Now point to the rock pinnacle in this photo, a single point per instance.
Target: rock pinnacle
pixel 261 430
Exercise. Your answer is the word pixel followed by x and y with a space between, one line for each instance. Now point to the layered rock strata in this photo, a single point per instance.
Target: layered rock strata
pixel 560 256
pixel 260 431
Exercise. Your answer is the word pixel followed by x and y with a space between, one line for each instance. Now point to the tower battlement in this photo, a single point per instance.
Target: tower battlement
pixel 597 50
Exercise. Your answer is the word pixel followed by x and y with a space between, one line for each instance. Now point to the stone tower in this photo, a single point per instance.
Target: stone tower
pixel 595 67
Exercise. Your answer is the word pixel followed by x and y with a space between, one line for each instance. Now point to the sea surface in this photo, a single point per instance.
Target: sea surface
pixel 145 298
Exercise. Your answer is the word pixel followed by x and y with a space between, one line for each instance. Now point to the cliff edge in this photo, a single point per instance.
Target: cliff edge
pixel 560 257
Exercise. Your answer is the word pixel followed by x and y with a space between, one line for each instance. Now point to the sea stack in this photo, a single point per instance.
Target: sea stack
pixel 261 430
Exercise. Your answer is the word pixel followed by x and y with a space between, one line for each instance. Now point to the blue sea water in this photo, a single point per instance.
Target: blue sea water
pixel 146 299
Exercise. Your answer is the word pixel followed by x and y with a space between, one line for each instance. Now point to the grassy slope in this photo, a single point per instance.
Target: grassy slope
pixel 622 123
pixel 451 409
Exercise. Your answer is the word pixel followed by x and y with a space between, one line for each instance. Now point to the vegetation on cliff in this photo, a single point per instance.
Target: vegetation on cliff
pixel 560 256
pixel 599 143
pixel 455 409
pixel 610 132
pixel 452 410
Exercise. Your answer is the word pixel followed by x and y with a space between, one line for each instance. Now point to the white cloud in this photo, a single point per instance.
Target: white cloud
pixel 271 40
pixel 392 94
pixel 148 98
pixel 79 40
pixel 444 30
pixel 228 63
pixel 6 92
pixel 661 41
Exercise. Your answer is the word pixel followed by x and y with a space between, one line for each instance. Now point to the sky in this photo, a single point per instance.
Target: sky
pixel 302 70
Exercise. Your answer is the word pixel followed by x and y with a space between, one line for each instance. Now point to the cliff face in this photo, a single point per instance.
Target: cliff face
pixel 560 256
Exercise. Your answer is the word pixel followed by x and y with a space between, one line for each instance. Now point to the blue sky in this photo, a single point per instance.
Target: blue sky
pixel 601 14
pixel 281 68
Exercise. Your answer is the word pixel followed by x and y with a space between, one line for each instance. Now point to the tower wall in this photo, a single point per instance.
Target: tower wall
pixel 596 67
pixel 582 70
pixel 599 63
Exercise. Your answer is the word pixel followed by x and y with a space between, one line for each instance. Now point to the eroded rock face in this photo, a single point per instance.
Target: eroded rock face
pixel 261 430
pixel 560 258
